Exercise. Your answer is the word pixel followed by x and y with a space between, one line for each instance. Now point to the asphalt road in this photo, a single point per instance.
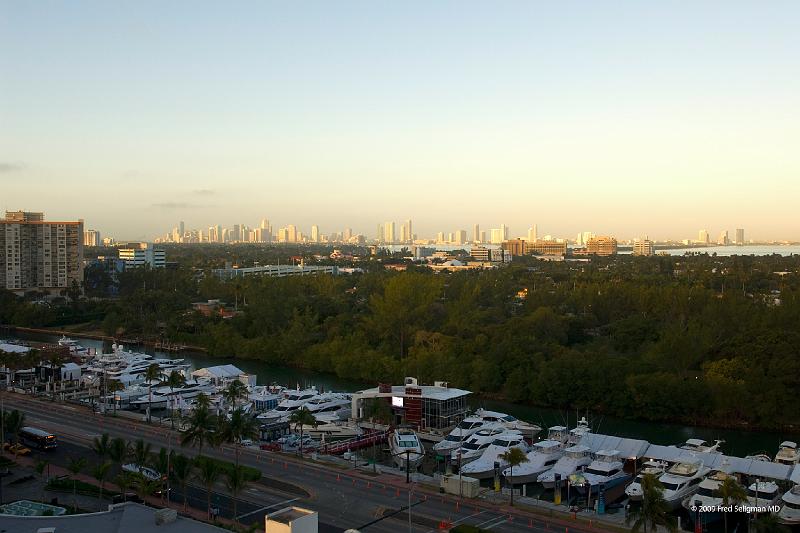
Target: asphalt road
pixel 343 499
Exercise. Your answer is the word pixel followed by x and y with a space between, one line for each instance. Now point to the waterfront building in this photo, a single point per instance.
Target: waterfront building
pixel 39 255
pixel 483 237
pixel 514 246
pixel 739 236
pixel 533 233
pixel 702 237
pixel 643 247
pixel 583 238
pixel 91 237
pixel 389 233
pixel 497 235
pixel 440 237
pixel 724 239
pixel 139 254
pixel 546 248
pixel 278 271
pixel 460 237
pixel 602 245
pixel 476 233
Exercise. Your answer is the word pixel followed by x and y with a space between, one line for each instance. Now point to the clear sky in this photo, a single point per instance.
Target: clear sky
pixel 625 118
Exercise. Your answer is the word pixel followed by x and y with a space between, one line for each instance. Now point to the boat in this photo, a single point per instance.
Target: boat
pixel 294 400
pixel 607 470
pixel 706 497
pixel 681 480
pixel 510 422
pixel 543 455
pixel 75 349
pixel 634 489
pixel 788 454
pixel 763 494
pixel 330 402
pixel 789 513
pixel 332 428
pixel 483 466
pixel 763 457
pixel 577 433
pixel 164 397
pixel 474 446
pixel 465 429
pixel 144 471
pixel 701 446
pixel 575 459
pixel 406 449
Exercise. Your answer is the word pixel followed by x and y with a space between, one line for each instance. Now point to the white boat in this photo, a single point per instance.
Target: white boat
pixel 74 348
pixel 164 397
pixel 144 471
pixel 128 367
pixel 406 449
pixel 706 497
pixel 483 466
pixel 575 458
pixel 789 513
pixel 264 398
pixel 634 489
pixel 330 402
pixel 461 433
pixel 763 494
pixel 577 433
pixel 607 470
pixel 788 454
pixel 510 422
pixel 331 428
pixel 294 400
pixel 701 446
pixel 543 455
pixel 474 446
pixel 681 480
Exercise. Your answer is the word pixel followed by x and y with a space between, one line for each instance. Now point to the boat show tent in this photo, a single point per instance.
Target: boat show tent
pixel 218 372
pixel 795 477
pixel 628 448
pixel 718 461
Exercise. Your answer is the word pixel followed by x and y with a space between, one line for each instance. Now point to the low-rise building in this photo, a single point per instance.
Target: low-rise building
pixel 278 271
pixel 142 254
pixel 546 247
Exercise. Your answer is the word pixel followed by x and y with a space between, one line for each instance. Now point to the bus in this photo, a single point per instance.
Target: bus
pixel 37 438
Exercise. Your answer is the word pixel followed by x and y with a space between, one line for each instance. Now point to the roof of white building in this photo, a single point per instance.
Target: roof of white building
pixel 426 391
pixel 13 348
pixel 218 372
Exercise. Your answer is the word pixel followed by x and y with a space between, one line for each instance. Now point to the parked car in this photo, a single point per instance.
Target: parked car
pixel 16 449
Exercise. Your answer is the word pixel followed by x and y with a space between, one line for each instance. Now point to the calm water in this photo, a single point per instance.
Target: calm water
pixel 789 249
pixel 737 442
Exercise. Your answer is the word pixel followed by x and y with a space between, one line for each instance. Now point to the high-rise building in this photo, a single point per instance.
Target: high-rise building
pixel 91 237
pixel 533 234
pixel 482 237
pixel 476 233
pixel 389 232
pixel 39 255
pixel 702 236
pixel 291 233
pixel 583 238
pixel 314 233
pixel 409 235
pixel 182 229
pixel 497 235
pixel 542 247
pixel 348 234
pixel 643 247
pixel 139 254
pixel 515 247
pixel 724 239
pixel 504 230
pixel 461 236
pixel 739 236
pixel 602 246
pixel 440 237
pixel 380 236
pixel 451 237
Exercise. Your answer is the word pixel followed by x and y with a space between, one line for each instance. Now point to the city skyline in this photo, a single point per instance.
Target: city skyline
pixel 628 119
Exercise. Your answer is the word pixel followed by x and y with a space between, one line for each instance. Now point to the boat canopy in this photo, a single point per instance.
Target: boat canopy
pixel 218 372
pixel 795 477
pixel 628 448
pixel 718 461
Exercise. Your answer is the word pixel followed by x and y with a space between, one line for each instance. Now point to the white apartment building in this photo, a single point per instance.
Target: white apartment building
pixel 139 254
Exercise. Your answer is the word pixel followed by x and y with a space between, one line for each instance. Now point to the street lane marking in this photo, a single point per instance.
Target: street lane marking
pixel 268 507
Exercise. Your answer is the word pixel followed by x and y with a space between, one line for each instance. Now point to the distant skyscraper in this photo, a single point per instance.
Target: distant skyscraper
pixel 348 234
pixel 724 240
pixel 702 236
pixel 91 237
pixel 643 247
pixel 314 233
pixel 264 223
pixel 739 236
pixel 461 236
pixel 440 237
pixel 583 238
pixel 497 235
pixel 483 236
pixel 533 234
pixel 291 233
pixel 476 233
pixel 380 236
pixel 504 229
pixel 403 233
pixel 182 228
pixel 389 232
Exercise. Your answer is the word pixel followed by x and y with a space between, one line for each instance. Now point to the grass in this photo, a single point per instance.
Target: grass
pixel 81 487
pixel 252 474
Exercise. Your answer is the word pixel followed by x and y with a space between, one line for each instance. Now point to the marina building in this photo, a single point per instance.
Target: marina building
pixel 36 254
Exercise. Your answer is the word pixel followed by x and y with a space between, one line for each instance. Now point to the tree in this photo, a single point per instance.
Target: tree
pixel 41 466
pixel 208 473
pixel 731 493
pixel 181 471
pixel 152 374
pixel 514 457
pixel 112 387
pixel 173 381
pixel 75 466
pixel 238 427
pixel 145 487
pixel 13 421
pixel 124 481
pixel 377 410
pixel 201 426
pixel 100 472
pixel 141 452
pixel 118 450
pixel 654 511
pixel 101 446
pixel 768 523
pixel 235 481
pixel 236 391
pixel 162 465
pixel 302 417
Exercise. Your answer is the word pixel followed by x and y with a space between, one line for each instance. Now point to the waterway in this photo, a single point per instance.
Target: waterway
pixel 737 442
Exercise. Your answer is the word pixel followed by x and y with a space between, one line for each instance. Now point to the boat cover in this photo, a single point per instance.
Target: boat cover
pixel 628 448
pixel 718 461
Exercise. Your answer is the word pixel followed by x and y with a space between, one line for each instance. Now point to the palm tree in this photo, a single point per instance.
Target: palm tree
pixel 240 426
pixel 101 446
pixel 174 380
pixel 514 457
pixel 145 487
pixel 731 493
pixel 181 472
pixel 377 410
pixel 302 417
pixel 75 466
pixel 162 464
pixel 118 450
pixel 100 472
pixel 13 421
pixel 113 386
pixel 124 481
pixel 201 428
pixel 41 466
pixel 768 523
pixel 208 473
pixel 152 374
pixel 141 452
pixel 654 511
pixel 202 400
pixel 236 391
pixel 235 481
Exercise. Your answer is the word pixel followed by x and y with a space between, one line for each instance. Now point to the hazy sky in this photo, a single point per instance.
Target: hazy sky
pixel 626 118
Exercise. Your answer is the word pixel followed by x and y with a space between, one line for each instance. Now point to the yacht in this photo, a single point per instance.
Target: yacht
pixel 74 348
pixel 577 433
pixel 543 455
pixel 682 480
pixel 330 402
pixel 607 470
pixel 264 398
pixel 129 367
pixel 332 428
pixel 406 449
pixel 788 454
pixel 701 446
pixel 707 496
pixel 475 445
pixel 789 513
pixel 164 397
pixel 483 466
pixel 510 422
pixel 634 489
pixel 763 494
pixel 294 400
pixel 574 460
pixel 468 427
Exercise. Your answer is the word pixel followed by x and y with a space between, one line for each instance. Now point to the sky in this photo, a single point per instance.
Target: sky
pixel 622 118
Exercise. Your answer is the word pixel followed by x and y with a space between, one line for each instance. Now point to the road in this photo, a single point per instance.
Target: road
pixel 343 499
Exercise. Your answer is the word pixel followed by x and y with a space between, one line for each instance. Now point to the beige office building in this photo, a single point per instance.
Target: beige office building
pixel 602 246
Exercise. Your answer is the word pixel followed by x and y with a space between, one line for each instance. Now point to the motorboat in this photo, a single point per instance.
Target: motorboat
pixel 577 433
pixel 144 471
pixel 128 367
pixel 294 400
pixel 607 470
pixel 575 459
pixel 763 494
pixel 483 466
pixel 330 402
pixel 332 428
pixel 634 489
pixel 763 457
pixel 465 429
pixel 164 397
pixel 510 422
pixel 543 455
pixel 681 480
pixel 701 446
pixel 706 497
pixel 476 444
pixel 75 349
pixel 788 454
pixel 406 449
pixel 264 398
pixel 789 513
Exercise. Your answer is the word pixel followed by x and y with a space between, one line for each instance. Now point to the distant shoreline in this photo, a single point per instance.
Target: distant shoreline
pixel 178 347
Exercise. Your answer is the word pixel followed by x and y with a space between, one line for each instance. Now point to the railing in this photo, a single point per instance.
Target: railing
pixel 356 443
